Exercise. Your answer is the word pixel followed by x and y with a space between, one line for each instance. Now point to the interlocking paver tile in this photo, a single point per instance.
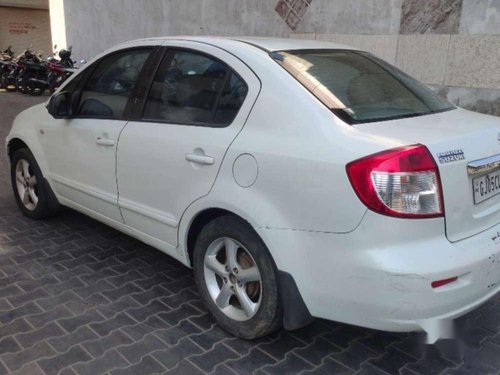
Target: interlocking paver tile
pixel 147 365
pixel 82 298
pixel 317 351
pixel 209 360
pixel 249 363
pixel 15 361
pixel 291 364
pixel 172 335
pixel 392 360
pixel 105 327
pixel 184 368
pixel 110 361
pixel 80 336
pixel 282 345
pixel 28 339
pixel 55 364
pixel 39 320
pixel 169 358
pixel 355 355
pixel 9 345
pixel 26 309
pixel 431 363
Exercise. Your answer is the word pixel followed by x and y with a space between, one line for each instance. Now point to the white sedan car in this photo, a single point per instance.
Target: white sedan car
pixel 297 178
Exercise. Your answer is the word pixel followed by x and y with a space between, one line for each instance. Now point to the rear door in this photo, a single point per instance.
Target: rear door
pixel 170 155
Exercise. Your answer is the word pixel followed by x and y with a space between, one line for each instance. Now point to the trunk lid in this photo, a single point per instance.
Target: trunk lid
pixel 456 139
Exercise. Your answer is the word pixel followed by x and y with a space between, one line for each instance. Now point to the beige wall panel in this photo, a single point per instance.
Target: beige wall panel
pixel 383 46
pixel 21 27
pixel 474 61
pixel 424 57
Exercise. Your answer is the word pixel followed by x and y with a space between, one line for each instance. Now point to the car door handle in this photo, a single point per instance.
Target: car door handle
pixel 200 159
pixel 105 142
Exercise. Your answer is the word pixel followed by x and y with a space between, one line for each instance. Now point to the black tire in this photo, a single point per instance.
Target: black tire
pixel 268 316
pixel 4 78
pixel 47 205
pixel 33 89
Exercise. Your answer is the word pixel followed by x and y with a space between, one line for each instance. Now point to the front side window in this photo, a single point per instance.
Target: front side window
pixel 109 87
pixel 359 87
pixel 192 88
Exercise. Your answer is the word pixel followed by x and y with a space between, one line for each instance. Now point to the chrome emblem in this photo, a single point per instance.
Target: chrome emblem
pixel 451 156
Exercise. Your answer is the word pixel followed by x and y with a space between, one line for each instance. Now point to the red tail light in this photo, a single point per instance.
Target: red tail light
pixel 402 182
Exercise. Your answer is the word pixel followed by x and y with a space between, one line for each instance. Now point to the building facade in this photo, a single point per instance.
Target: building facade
pixel 25 23
pixel 451 45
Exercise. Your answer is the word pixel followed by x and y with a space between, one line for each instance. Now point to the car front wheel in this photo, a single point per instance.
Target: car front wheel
pixel 236 277
pixel 32 193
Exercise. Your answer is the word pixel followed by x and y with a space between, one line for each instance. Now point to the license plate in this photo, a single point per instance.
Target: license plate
pixel 485 187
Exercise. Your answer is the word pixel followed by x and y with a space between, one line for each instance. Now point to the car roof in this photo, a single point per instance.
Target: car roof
pixel 266 44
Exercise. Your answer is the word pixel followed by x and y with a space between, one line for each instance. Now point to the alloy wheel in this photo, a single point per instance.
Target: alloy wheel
pixel 233 279
pixel 26 185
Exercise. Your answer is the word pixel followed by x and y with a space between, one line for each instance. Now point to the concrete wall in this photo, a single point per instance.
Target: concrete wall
pixel 451 45
pixel 22 27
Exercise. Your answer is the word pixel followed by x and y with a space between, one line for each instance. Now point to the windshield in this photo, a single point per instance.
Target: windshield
pixel 359 87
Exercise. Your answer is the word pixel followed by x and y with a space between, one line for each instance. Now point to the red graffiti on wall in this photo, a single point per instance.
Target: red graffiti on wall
pixel 19 28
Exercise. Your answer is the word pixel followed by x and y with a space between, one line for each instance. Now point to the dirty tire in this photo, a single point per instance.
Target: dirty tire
pixel 46 206
pixel 268 316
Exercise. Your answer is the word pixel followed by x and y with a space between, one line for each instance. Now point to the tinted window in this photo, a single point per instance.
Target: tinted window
pixel 232 97
pixel 108 89
pixel 192 88
pixel 359 87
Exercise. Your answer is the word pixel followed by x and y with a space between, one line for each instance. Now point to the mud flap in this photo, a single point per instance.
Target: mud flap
pixel 295 312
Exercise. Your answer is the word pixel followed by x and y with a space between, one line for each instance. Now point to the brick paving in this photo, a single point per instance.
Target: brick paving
pixel 77 297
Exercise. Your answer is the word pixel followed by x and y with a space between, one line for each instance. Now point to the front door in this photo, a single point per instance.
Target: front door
pixel 81 150
pixel 169 157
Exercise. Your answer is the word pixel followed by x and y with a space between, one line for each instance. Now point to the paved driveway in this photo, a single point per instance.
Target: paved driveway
pixel 77 297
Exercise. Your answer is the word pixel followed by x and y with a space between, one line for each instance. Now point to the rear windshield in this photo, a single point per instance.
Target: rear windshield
pixel 358 87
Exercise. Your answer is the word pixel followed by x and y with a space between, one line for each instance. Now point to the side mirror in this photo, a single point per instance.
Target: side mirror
pixel 59 105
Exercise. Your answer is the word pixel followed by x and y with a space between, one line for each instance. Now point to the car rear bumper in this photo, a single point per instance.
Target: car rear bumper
pixel 379 276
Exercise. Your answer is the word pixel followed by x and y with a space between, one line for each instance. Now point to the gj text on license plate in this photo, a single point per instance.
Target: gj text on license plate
pixel 486 186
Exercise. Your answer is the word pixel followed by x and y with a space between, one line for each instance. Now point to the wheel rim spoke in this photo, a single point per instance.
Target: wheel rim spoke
pixel 231 252
pixel 248 275
pixel 213 264
pixel 32 181
pixel 222 300
pixel 25 166
pixel 19 177
pixel 246 303
pixel 33 196
pixel 26 197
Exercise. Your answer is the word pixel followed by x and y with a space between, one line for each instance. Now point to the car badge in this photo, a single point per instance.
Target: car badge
pixel 451 156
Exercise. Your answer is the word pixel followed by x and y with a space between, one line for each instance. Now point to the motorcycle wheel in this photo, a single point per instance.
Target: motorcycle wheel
pixel 33 89
pixel 6 84
pixel 19 84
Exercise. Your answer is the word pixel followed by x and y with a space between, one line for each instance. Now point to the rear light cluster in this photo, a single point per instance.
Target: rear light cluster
pixel 402 182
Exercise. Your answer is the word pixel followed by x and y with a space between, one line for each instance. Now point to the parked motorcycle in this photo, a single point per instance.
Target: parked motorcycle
pixel 11 74
pixel 51 74
pixel 32 74
pixel 5 62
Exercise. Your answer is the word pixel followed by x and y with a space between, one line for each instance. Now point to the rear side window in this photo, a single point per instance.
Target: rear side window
pixel 359 87
pixel 109 87
pixel 193 88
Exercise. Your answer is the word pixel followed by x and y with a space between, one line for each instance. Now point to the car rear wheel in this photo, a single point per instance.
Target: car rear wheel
pixel 236 277
pixel 32 192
